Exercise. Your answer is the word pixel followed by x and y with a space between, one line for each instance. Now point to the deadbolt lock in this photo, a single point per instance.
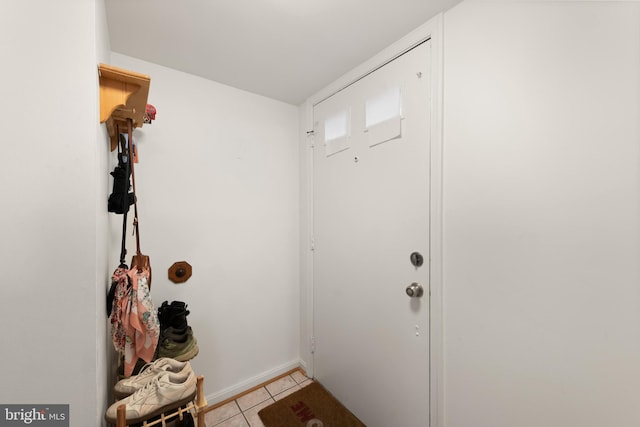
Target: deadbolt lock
pixel 417 259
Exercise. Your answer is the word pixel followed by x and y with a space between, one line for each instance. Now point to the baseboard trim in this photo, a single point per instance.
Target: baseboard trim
pixel 231 393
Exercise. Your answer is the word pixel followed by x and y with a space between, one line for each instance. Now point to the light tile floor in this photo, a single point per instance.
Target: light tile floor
pixel 243 412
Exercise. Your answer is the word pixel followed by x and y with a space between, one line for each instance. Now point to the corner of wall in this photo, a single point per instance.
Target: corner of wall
pixel 103 362
pixel 305 114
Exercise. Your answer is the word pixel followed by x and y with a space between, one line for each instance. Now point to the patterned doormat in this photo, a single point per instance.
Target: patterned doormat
pixel 313 406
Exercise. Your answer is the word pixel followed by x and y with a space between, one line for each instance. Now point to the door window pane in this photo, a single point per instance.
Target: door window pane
pixel 384 106
pixel 336 126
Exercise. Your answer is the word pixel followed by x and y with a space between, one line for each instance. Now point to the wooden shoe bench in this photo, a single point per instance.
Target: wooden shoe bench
pixel 196 408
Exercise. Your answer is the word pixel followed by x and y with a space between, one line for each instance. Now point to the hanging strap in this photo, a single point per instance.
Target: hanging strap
pixel 136 228
pixel 122 145
pixel 140 261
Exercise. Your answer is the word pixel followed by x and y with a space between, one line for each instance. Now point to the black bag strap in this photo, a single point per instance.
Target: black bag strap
pixel 125 197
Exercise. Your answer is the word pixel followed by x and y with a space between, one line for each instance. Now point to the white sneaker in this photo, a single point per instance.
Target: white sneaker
pixel 128 386
pixel 163 393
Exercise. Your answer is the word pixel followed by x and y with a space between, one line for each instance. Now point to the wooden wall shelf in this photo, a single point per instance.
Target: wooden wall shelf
pixel 123 96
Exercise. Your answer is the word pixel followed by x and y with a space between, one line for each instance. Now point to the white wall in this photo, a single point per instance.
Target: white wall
pixel 52 290
pixel 542 214
pixel 218 187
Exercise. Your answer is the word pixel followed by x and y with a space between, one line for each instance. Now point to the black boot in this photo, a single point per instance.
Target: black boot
pixel 173 315
pixel 176 337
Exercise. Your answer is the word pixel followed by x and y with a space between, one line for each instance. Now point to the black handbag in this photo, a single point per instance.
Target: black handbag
pixel 121 197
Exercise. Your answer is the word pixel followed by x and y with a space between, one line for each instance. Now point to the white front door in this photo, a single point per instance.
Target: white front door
pixel 371 213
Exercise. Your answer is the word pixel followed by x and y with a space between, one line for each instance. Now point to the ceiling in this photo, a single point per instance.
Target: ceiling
pixel 282 49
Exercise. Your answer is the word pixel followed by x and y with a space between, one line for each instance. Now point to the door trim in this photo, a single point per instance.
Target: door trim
pixel 432 30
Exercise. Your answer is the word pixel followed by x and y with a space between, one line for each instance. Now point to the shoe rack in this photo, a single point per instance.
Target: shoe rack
pixel 196 408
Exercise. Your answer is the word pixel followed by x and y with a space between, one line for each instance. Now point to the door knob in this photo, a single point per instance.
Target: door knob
pixel 414 290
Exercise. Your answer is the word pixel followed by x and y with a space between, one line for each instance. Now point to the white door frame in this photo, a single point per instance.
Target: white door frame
pixel 431 30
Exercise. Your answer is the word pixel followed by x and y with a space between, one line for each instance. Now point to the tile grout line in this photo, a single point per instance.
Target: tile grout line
pixel 228 418
pixel 246 419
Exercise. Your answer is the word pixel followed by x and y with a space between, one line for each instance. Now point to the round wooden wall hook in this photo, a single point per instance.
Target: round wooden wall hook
pixel 180 272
